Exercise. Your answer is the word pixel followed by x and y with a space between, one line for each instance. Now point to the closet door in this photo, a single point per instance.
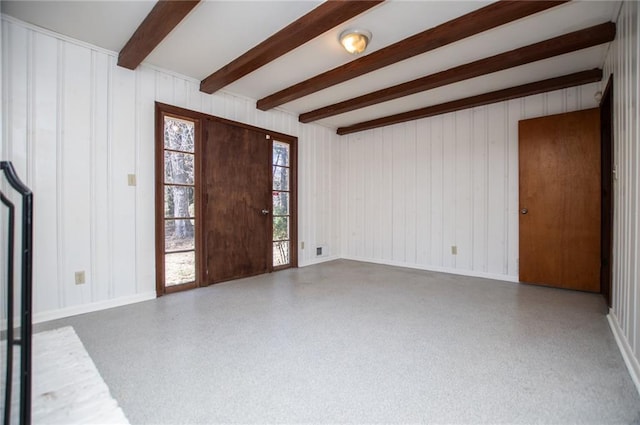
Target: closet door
pixel 560 195
pixel 237 194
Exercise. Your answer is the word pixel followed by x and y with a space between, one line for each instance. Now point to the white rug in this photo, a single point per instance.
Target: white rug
pixel 67 387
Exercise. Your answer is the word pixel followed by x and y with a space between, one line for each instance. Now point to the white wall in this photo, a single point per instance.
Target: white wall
pixel 413 190
pixel 75 125
pixel 623 63
pixel 3 216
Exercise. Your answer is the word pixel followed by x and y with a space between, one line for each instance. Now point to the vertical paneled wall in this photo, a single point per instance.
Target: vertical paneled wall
pixel 623 64
pixel 415 190
pixel 76 125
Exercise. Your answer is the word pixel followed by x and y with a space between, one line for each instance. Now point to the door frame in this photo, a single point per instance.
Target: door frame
pixel 606 229
pixel 162 110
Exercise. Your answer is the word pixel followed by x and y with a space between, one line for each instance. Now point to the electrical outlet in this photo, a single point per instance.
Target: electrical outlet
pixel 131 179
pixel 454 250
pixel 302 245
pixel 318 251
pixel 80 278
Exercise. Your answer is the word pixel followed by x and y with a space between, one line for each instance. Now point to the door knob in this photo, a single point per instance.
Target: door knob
pixel 524 211
pixel 264 212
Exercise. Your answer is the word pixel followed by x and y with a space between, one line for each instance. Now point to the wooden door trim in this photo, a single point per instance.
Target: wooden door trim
pixel 200 115
pixel 159 188
pixel 606 229
pixel 293 201
pixel 160 114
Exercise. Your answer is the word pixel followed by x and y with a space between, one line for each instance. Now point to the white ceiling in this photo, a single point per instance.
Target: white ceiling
pixel 216 32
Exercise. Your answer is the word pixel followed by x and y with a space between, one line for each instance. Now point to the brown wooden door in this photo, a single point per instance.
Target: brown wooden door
pixel 237 181
pixel 559 165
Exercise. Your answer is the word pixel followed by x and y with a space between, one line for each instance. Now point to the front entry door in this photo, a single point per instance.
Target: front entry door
pixel 559 166
pixel 237 202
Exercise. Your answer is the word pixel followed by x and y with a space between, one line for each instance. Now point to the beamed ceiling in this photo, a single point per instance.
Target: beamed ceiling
pixel 426 57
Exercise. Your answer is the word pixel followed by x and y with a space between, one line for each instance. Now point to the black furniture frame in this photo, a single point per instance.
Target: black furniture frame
pixel 24 339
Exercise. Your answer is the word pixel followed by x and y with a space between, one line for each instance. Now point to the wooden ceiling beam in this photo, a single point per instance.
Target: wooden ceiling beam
pixel 567 43
pixel 538 87
pixel 162 19
pixel 321 19
pixel 480 20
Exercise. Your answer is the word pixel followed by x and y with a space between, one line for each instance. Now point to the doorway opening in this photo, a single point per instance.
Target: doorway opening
pixel 606 128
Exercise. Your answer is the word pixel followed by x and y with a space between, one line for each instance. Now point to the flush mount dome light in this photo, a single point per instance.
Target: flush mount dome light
pixel 355 41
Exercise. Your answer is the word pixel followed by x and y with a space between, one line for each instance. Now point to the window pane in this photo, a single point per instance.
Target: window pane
pixel 280 203
pixel 280 253
pixel 280 153
pixel 179 268
pixel 179 201
pixel 178 134
pixel 280 178
pixel 179 235
pixel 280 228
pixel 178 167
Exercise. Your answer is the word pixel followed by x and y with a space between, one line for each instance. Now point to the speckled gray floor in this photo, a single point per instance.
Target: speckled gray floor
pixel 348 342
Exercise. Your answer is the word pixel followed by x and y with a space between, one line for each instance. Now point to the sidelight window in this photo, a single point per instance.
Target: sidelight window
pixel 281 192
pixel 179 202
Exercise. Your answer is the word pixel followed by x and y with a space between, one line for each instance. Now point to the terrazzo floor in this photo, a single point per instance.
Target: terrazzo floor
pixel 350 342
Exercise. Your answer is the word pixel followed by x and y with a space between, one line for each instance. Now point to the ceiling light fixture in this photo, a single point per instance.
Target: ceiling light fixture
pixel 355 41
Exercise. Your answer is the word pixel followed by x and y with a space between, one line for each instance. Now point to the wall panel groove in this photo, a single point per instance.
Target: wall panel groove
pixel 59 177
pixel 30 153
pixel 136 149
pixel 109 183
pixel 6 85
pixel 485 206
pixel 92 180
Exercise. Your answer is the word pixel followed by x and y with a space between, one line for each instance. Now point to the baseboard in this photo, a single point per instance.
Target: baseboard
pixel 102 305
pixel 318 260
pixel 47 316
pixel 470 273
pixel 625 349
